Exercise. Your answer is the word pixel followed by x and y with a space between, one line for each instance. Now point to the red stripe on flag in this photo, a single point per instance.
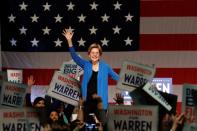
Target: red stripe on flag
pixel 168 8
pixel 178 75
pixel 167 42
pixel 178 107
pixel 42 76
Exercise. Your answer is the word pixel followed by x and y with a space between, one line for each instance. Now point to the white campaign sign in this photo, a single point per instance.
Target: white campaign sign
pixel 64 88
pixel 132 118
pixel 134 75
pixel 15 76
pixel 21 119
pixel 152 91
pixel 12 94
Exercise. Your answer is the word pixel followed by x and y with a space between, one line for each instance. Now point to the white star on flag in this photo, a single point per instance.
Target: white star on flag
pixel 34 18
pixel 70 29
pixel 58 42
pixel 58 18
pixel 105 18
pixel 93 30
pixel 117 6
pixel 23 30
pixel 116 30
pixel 46 31
pixel 129 17
pixel 128 41
pixel 93 6
pixel 104 42
pixel 34 42
pixel 46 7
pixel 81 42
pixel 11 18
pixel 23 6
pixel 13 42
pixel 70 6
pixel 81 18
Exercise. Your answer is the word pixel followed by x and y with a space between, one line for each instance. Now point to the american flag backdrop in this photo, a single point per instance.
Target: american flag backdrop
pixel 160 32
pixel 37 25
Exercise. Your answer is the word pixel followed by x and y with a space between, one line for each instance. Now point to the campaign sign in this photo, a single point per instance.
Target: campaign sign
pixel 189 106
pixel 163 84
pixel 71 69
pixel 153 92
pixel 133 118
pixel 15 76
pixel 12 94
pixel 64 88
pixel 23 119
pixel 133 75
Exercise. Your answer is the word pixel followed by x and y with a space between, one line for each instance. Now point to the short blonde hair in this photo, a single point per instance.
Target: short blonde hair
pixel 95 45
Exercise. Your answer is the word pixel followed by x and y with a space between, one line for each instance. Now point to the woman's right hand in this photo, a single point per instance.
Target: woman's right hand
pixel 67 34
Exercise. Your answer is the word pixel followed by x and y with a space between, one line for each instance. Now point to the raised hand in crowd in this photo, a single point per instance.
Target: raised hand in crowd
pixel 178 122
pixel 30 80
pixel 98 123
pixel 119 99
pixel 80 115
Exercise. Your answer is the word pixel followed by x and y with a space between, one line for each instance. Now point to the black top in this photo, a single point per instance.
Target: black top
pixel 92 85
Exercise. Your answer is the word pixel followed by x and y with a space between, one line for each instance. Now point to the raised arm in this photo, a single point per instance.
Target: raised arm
pixel 178 122
pixel 30 80
pixel 68 35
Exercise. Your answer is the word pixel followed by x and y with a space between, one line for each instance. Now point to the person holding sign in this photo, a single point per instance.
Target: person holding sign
pixel 96 72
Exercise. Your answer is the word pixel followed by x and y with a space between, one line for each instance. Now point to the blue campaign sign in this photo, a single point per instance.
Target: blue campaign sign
pixel 163 84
